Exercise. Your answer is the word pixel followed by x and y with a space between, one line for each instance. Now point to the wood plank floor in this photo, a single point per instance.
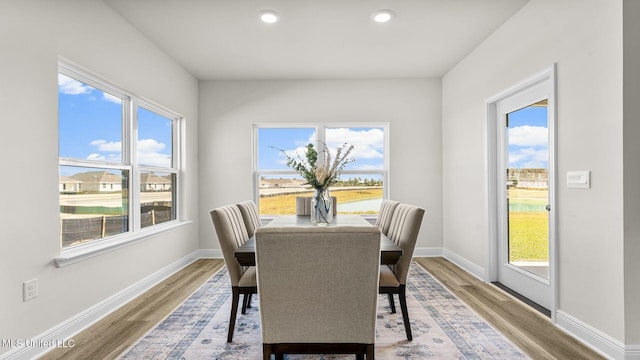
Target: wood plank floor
pixel 527 328
pixel 531 331
pixel 112 335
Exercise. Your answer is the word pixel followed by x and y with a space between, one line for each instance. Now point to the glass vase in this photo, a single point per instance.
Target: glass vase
pixel 321 207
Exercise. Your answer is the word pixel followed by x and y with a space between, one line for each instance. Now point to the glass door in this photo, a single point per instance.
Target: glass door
pixel 524 197
pixel 527 189
pixel 521 191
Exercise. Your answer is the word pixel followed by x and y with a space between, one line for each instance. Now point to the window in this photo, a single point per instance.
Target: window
pixel 157 174
pixel 117 160
pixel 362 184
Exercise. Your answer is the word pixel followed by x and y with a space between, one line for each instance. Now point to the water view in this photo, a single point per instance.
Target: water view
pixel 360 206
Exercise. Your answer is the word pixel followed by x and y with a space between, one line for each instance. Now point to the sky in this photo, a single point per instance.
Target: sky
pixel 90 127
pixel 368 145
pixel 528 138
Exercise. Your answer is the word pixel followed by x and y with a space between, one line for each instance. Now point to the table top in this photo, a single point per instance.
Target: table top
pixel 389 251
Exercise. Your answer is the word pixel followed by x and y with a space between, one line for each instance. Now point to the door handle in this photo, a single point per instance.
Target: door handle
pixel 548 207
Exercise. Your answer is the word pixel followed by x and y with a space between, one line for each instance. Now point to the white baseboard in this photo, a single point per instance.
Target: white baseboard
pixel 589 336
pixel 62 334
pixel 595 339
pixel 427 252
pixel 465 264
pixel 632 352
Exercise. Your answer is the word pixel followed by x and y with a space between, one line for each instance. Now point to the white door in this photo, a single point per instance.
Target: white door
pixel 524 191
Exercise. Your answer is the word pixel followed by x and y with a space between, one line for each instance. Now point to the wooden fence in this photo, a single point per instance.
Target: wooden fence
pixel 78 230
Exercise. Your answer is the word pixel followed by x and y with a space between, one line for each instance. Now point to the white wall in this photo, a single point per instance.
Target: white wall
pixel 32 36
pixel 584 38
pixel 228 109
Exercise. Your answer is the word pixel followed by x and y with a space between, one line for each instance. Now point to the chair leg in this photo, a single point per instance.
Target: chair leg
pixel 405 312
pixel 249 301
pixel 371 354
pixel 359 356
pixel 266 352
pixel 392 303
pixel 245 301
pixel 234 309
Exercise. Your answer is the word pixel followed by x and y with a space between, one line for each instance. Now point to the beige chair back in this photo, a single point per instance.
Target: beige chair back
pixel 384 215
pixel 403 230
pixel 318 284
pixel 232 233
pixel 250 214
pixel 303 205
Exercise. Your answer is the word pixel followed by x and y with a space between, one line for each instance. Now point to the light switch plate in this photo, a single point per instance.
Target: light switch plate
pixel 579 179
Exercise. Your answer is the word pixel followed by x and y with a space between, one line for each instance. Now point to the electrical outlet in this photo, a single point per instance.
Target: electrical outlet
pixel 30 289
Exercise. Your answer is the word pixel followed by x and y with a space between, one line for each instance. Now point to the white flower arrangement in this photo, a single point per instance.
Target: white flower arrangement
pixel 324 173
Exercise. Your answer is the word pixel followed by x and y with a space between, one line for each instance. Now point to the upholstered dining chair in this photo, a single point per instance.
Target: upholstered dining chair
pixel 303 205
pixel 232 233
pixel 403 230
pixel 250 215
pixel 314 298
pixel 384 215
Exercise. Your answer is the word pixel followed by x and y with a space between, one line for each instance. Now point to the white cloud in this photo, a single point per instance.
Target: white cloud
pixel 110 146
pixel 372 167
pixel 94 156
pixel 110 98
pixel 528 147
pixel 527 135
pixel 155 159
pixel 114 157
pixel 150 145
pixel 67 85
pixel 149 153
pixel 529 158
pixel 367 144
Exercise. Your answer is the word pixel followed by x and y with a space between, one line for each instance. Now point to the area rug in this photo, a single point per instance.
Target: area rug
pixel 443 328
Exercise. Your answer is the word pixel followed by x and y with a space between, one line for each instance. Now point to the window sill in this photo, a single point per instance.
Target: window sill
pixel 98 247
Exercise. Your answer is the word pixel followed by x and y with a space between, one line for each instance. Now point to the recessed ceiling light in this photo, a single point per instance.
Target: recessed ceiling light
pixel 383 16
pixel 269 16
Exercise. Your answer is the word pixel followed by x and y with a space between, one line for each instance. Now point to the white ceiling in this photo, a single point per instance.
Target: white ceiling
pixel 224 39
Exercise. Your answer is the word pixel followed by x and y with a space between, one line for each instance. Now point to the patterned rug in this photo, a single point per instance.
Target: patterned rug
pixel 443 328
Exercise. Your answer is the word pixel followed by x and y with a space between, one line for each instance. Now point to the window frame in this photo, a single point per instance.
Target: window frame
pixel 128 162
pixel 175 160
pixel 320 130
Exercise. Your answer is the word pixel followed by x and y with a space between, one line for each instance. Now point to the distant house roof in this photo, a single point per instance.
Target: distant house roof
pixel 151 178
pixel 97 177
pixel 67 179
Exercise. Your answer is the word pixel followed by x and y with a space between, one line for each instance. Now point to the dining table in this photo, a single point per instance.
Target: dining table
pixel 390 252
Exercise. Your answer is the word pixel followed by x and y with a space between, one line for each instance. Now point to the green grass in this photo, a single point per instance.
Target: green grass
pixel 528 235
pixel 528 225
